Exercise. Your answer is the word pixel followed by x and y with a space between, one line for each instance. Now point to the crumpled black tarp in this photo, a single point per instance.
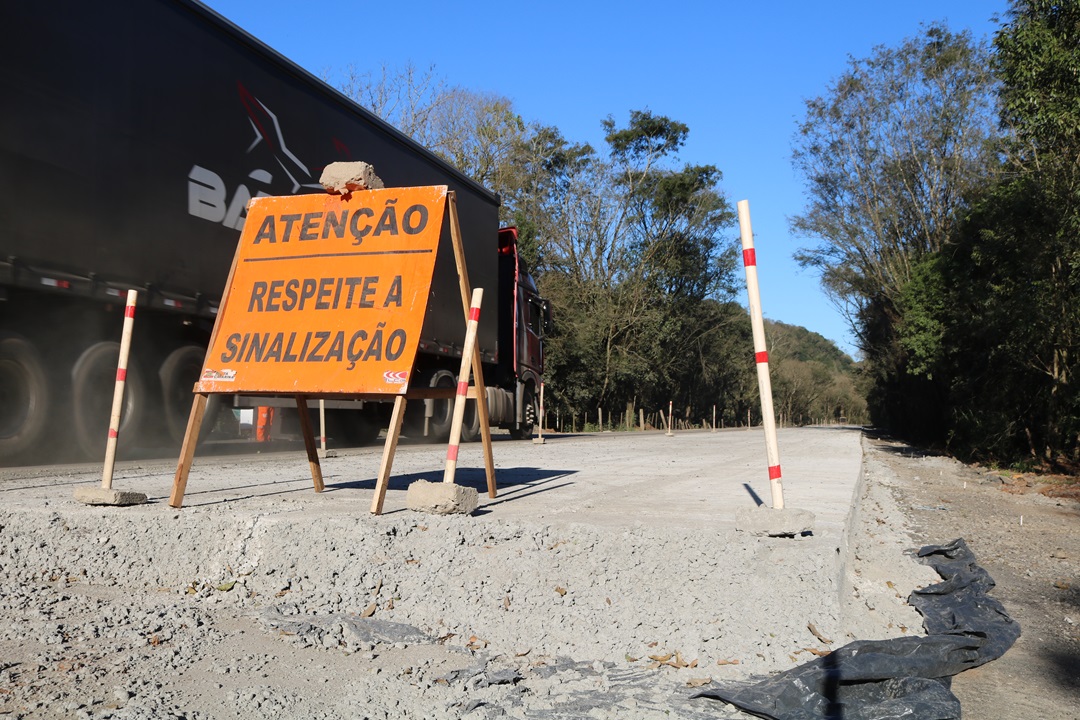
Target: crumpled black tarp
pixel 906 677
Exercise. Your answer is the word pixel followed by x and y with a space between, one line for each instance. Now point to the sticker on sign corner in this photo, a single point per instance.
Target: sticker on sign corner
pixel 396 377
pixel 219 375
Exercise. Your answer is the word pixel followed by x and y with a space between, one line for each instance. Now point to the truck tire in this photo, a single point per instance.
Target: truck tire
pixel 93 379
pixel 353 427
pixel 443 415
pixel 470 424
pixel 178 375
pixel 528 422
pixel 24 397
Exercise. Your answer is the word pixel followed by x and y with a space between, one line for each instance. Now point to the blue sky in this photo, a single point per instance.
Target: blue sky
pixel 737 73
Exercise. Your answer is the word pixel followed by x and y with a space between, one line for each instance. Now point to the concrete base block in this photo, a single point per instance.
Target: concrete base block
pixel 101 496
pixel 441 498
pixel 766 522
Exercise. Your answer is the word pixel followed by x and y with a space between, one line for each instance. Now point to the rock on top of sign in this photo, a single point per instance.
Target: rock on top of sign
pixel 342 178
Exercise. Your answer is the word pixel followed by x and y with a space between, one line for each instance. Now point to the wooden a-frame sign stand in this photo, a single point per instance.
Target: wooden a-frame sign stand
pixel 475 391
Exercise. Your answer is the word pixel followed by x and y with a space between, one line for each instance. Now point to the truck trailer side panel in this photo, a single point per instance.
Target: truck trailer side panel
pixel 135 132
pixel 132 135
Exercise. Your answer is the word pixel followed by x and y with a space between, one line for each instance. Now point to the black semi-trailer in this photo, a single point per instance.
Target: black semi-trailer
pixel 132 135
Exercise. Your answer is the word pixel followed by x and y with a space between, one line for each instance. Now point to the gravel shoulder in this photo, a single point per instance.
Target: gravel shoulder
pixel 607 580
pixel 1036 566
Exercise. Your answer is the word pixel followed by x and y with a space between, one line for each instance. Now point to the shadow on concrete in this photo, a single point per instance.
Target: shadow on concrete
pixel 1062 663
pixel 826 428
pixel 82 481
pixel 510 482
pixel 753 495
pixel 911 452
pixel 897 446
pixel 302 483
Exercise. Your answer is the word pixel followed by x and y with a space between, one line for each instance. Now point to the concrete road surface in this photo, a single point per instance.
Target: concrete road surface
pixel 695 479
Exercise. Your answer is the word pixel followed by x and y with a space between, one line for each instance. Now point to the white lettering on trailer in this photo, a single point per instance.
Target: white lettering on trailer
pixel 208 197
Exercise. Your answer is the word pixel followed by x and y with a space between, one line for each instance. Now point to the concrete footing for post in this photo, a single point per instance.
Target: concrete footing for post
pixel 101 496
pixel 441 498
pixel 767 522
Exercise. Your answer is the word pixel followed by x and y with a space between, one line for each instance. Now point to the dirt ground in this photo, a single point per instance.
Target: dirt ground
pixel 1029 542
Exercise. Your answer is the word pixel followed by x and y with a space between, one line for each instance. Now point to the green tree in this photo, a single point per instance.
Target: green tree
pixel 1014 274
pixel 480 134
pixel 406 97
pixel 891 156
pixel 641 248
pixel 813 380
pixel 630 247
pixel 673 219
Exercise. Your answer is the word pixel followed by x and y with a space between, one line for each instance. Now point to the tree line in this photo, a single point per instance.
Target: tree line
pixel 943 187
pixel 637 253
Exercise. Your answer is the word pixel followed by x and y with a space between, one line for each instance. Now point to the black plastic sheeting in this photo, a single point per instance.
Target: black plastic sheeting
pixel 906 677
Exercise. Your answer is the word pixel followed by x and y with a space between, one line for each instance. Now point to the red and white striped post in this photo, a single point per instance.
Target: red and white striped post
pixel 463 385
pixel 118 390
pixel 761 355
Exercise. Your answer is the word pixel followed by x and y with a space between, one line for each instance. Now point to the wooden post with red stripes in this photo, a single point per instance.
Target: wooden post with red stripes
pixel 761 354
pixel 463 385
pixel 118 390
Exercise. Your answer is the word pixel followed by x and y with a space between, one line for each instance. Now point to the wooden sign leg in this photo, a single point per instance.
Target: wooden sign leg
pixel 477 366
pixel 392 434
pixel 459 253
pixel 187 450
pixel 485 425
pixel 309 443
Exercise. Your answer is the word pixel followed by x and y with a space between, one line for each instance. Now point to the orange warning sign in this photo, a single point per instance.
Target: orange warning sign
pixel 327 294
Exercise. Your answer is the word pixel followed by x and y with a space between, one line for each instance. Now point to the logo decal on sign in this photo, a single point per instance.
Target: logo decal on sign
pixel 396 377
pixel 219 375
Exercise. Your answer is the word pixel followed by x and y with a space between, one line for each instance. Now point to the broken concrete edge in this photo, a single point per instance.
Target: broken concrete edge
pixel 768 522
pixel 342 178
pixel 102 496
pixel 441 498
